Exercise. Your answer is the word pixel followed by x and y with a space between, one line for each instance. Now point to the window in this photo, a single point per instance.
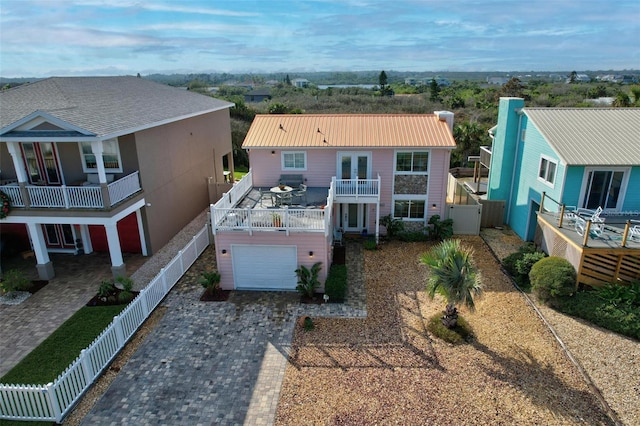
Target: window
pixel 547 171
pixel 294 160
pixel 408 209
pixel 412 162
pixel 110 156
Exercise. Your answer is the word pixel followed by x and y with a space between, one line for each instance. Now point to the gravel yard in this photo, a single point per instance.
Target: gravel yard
pixel 385 369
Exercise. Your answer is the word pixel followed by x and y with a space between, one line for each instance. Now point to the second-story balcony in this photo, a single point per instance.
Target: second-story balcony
pixel 89 196
pixel 356 190
pixel 485 156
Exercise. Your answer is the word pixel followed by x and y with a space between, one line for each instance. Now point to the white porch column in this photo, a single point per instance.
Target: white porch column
pixel 18 165
pixel 143 243
pixel 44 265
pixel 97 149
pixel 118 268
pixel 86 239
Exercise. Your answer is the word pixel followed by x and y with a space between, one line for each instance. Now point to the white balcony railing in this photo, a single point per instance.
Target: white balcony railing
pixel 357 187
pixel 74 197
pixel 226 217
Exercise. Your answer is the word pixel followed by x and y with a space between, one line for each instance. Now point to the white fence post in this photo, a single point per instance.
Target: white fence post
pixel 144 303
pixel 164 281
pixel 86 366
pixel 53 401
pixel 118 329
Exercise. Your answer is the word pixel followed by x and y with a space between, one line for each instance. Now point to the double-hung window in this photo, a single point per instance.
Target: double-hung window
pixel 408 209
pixel 294 160
pixel 547 170
pixel 411 185
pixel 110 157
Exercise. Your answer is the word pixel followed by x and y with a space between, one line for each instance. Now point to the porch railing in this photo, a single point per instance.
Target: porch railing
pixel 74 197
pixel 53 401
pixel 252 220
pixel 357 187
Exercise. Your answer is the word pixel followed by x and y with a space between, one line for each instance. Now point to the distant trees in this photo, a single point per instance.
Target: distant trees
pixel 469 137
pixel 385 89
pixel 434 91
pixel 512 88
pixel 622 100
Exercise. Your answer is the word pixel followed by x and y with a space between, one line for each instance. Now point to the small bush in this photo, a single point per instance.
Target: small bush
pixel 308 279
pixel 462 331
pixel 524 265
pixel 106 289
pixel 13 280
pixel 392 225
pixel 210 281
pixel 126 295
pixel 552 277
pixel 336 285
pixel 510 261
pixel 440 230
pixel 370 244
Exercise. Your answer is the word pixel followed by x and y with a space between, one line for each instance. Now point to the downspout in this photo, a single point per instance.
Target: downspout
pixel 513 173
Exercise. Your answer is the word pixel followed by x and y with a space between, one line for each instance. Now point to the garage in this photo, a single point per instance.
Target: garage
pixel 264 267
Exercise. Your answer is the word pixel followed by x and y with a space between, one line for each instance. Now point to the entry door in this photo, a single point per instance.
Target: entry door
pixel 41 161
pixel 59 236
pixel 354 217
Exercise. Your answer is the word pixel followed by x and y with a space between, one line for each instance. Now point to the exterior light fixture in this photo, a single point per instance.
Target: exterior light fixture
pixel 224 251
pixel 310 254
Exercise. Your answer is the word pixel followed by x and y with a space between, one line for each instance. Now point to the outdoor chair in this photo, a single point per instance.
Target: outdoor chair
pixel 284 198
pixel 337 237
pixel 597 222
pixel 301 193
pixel 265 194
pixel 634 233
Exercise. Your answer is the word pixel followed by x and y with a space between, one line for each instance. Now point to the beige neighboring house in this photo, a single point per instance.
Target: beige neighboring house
pixel 114 164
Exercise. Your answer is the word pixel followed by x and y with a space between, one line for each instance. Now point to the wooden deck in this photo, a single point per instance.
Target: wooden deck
pixel 603 259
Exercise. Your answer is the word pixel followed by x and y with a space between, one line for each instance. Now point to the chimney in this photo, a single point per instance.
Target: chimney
pixel 445 116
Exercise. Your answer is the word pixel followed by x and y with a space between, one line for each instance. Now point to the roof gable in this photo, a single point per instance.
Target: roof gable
pixel 590 136
pixel 348 131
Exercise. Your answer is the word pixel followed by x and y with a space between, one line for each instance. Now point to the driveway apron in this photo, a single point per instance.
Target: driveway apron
pixel 215 362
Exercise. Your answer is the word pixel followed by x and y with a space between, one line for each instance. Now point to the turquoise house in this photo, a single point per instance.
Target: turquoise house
pixel 581 157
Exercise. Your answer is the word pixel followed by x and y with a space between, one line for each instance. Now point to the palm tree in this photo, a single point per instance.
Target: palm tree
pixel 454 275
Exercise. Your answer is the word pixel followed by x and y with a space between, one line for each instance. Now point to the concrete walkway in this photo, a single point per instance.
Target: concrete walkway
pixel 216 362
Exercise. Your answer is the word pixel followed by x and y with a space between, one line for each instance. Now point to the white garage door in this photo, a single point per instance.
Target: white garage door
pixel 264 267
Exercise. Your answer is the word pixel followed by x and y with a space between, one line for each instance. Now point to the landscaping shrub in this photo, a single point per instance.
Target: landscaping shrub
pixel 439 230
pixel 308 279
pixel 392 225
pixel 552 277
pixel 461 332
pixel 509 262
pixel 336 285
pixel 615 307
pixel 413 236
pixel 13 280
pixel 370 244
pixel 519 264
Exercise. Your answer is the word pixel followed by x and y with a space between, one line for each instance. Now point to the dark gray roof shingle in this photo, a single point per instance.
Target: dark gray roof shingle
pixel 105 105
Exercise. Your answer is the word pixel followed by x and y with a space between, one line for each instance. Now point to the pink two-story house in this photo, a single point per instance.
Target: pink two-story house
pixel 343 172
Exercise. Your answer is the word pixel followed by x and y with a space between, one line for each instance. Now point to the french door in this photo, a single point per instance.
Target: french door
pixel 59 236
pixel 354 165
pixel 41 161
pixel 603 189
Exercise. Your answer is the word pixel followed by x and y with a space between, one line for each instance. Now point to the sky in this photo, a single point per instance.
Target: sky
pixel 41 38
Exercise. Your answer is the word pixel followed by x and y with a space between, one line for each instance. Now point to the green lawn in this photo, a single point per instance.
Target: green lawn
pixel 62 347
pixel 239 172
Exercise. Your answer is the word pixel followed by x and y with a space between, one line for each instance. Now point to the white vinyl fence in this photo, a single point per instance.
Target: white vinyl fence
pixel 53 401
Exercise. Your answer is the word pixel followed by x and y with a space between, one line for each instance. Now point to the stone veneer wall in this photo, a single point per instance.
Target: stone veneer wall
pixel 411 184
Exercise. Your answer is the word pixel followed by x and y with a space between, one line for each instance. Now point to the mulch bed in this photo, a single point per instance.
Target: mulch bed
pixel 111 300
pixel 37 285
pixel 215 296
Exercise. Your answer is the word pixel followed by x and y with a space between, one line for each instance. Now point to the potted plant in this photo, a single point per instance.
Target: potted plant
pixel 277 220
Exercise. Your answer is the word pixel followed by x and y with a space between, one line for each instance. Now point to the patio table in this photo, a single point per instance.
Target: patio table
pixel 278 191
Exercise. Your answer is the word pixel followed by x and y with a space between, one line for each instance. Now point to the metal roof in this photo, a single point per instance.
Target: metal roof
pixel 104 106
pixel 348 131
pixel 591 136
